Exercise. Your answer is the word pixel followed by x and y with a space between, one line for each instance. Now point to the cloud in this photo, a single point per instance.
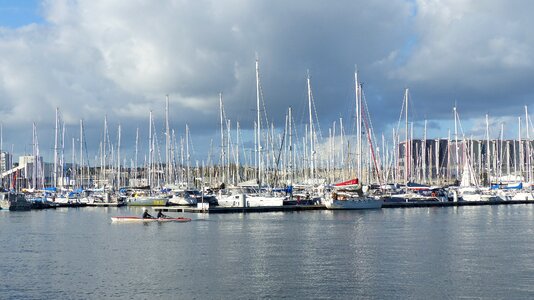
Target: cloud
pixel 120 59
pixel 474 53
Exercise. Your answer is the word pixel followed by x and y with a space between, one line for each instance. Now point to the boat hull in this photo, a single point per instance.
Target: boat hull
pixel 14 202
pixel 187 201
pixel 523 196
pixel 354 204
pixel 149 201
pixel 146 220
pixel 250 201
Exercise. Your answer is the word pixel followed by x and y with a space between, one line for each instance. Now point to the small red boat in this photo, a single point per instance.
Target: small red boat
pixel 139 219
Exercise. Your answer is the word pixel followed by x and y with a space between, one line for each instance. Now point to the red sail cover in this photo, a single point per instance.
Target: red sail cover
pixel 347 183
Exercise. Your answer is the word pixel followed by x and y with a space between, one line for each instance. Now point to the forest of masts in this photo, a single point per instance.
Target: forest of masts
pixel 288 155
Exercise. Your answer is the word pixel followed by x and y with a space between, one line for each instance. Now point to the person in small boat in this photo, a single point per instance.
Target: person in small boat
pixel 146 215
pixel 161 215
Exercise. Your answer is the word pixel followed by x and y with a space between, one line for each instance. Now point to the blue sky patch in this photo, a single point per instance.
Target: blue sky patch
pixel 16 13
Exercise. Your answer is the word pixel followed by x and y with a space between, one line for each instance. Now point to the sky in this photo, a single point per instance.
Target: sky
pixel 114 58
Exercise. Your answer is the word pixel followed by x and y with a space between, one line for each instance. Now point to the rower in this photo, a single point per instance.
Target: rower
pixel 161 215
pixel 146 215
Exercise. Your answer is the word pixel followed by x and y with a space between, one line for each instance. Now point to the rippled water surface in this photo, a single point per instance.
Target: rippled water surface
pixel 425 253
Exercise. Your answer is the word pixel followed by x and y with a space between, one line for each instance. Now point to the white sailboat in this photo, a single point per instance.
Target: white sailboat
pixel 248 194
pixel 349 195
pixel 252 193
pixel 469 189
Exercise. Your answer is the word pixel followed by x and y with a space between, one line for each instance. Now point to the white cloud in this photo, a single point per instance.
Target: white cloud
pixel 120 58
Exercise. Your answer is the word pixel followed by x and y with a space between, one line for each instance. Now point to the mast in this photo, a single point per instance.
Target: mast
pixel 395 159
pixel 228 127
pixel 507 157
pixel 256 154
pixel 188 161
pixel 312 148
pixel 411 160
pixel 104 153
pixel 119 159
pixel 62 160
pixel 34 169
pixel 406 158
pixel 290 162
pixel 342 149
pixel 136 151
pixel 182 163
pixel 73 168
pixel 358 127
pixel 424 154
pixel 173 157
pixel 456 143
pixel 55 147
pixel 258 134
pixel 449 155
pixel 167 142
pixel 222 137
pixel 521 153
pixel 237 152
pixel 81 153
pixel 488 166
pixel 150 149
pixel 528 154
pixel 501 154
pixel 334 152
pixel 515 157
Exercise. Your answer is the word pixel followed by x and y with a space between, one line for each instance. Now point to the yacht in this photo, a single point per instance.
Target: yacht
pixel 14 201
pixel 247 197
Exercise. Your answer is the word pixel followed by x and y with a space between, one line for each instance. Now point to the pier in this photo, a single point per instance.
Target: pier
pixel 293 208
pixel 260 209
pixel 448 204
pixel 284 208
pixel 104 204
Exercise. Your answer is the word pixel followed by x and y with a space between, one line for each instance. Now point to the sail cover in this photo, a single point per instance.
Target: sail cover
pixel 348 183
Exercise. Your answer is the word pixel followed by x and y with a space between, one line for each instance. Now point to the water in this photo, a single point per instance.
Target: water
pixel 424 253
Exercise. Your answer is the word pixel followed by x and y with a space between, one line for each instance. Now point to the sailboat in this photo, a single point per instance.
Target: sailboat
pixel 349 195
pixel 469 189
pixel 13 201
pixel 252 193
pixel 249 194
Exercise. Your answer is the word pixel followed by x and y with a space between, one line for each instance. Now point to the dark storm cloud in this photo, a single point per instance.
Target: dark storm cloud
pixel 120 59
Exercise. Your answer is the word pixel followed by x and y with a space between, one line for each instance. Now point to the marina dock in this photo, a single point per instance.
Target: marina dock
pixel 110 204
pixel 448 204
pixel 219 210
pixel 293 208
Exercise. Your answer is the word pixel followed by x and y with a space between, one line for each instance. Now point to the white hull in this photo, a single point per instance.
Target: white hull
pixel 177 200
pixel 476 194
pixel 479 197
pixel 250 201
pixel 354 203
pixel 523 196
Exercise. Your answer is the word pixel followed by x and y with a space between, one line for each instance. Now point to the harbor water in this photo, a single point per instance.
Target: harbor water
pixel 423 253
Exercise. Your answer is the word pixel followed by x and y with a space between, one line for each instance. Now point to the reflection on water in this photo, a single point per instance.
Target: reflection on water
pixel 390 253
